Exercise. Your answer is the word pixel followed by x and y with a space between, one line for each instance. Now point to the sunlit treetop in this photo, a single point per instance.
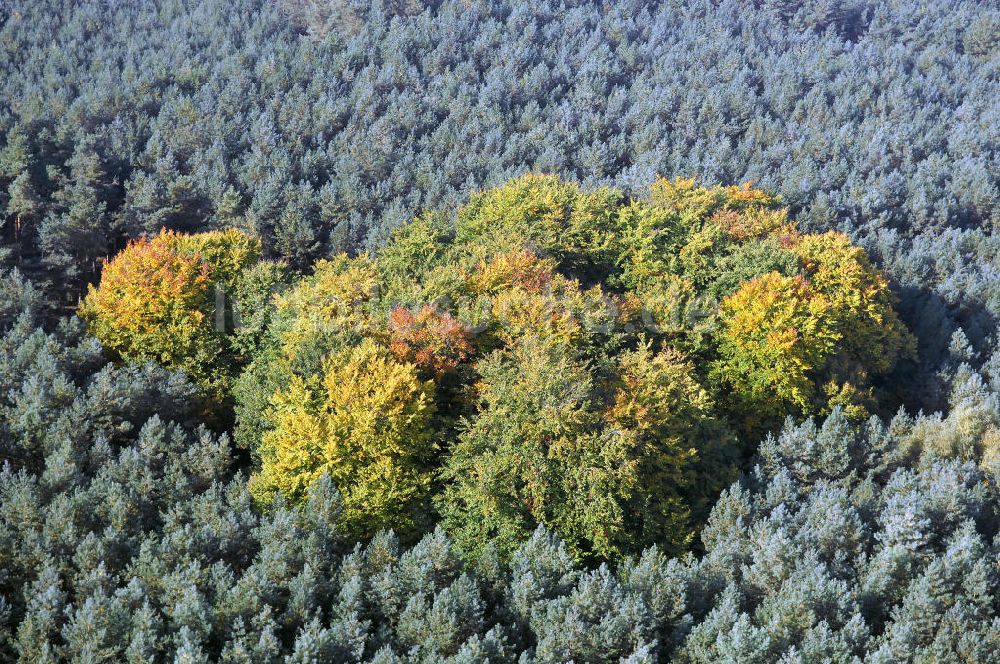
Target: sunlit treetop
pixel 577 340
pixel 159 299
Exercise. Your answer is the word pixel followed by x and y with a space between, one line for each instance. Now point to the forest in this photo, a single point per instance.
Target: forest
pixel 470 331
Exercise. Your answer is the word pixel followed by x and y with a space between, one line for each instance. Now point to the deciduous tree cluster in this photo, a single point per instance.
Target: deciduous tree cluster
pixel 560 357
pixel 165 299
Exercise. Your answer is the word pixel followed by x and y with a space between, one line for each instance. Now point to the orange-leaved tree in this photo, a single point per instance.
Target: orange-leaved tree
pixel 435 341
pixel 156 301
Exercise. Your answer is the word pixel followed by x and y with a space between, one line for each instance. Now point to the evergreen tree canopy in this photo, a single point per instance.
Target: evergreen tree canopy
pixel 127 534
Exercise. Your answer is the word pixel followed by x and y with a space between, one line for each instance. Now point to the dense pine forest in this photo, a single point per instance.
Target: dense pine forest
pixel 470 331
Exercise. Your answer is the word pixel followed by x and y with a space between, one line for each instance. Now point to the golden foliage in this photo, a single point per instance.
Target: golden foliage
pixel 683 195
pixel 753 223
pixel 811 341
pixel 156 301
pixel 860 296
pixel 775 334
pixel 600 342
pixel 331 303
pixel 519 268
pixel 366 424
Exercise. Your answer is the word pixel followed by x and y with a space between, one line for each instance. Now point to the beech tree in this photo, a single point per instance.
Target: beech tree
pixel 435 342
pixel 157 301
pixel 365 425
pixel 776 335
pixel 812 341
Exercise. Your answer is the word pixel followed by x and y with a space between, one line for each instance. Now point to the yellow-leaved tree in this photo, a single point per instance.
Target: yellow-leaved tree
pixel 862 304
pixel 807 343
pixel 366 424
pixel 776 334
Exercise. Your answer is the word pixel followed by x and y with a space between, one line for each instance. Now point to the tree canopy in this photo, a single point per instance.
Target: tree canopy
pixel 128 533
pixel 436 331
pixel 559 357
pixel 164 299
